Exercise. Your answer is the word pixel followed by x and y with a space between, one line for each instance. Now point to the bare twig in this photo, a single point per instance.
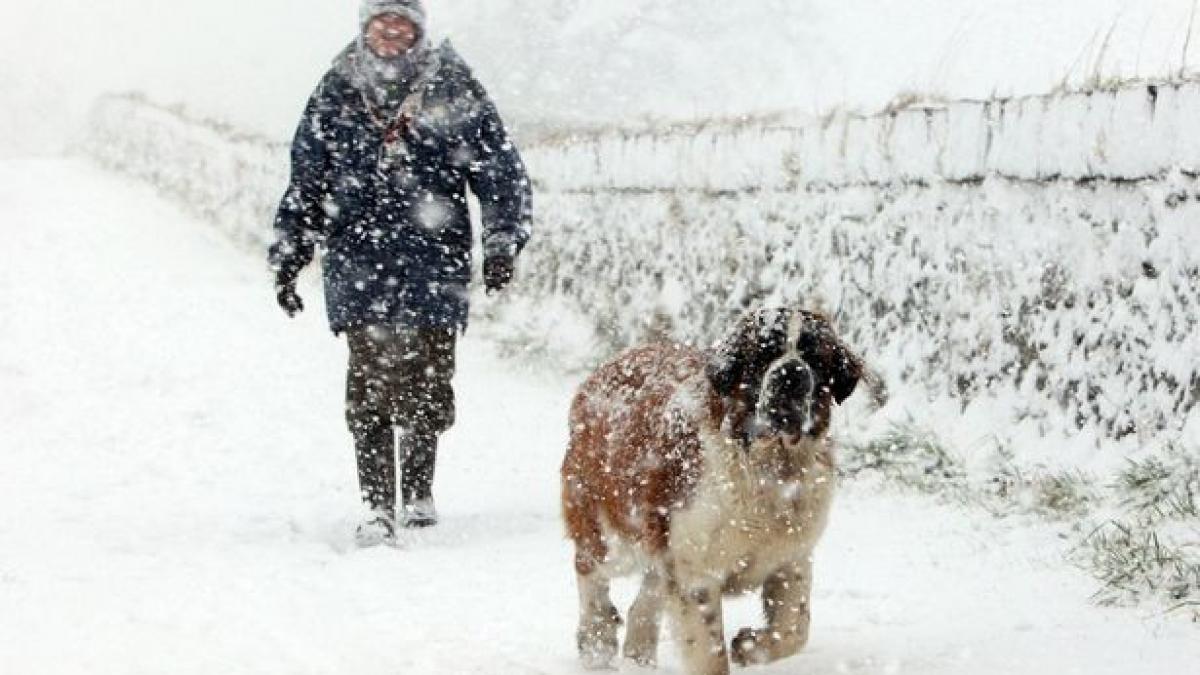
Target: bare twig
pixel 1182 605
pixel 1098 64
pixel 1187 42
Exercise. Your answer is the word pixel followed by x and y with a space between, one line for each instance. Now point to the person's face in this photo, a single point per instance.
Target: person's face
pixel 391 35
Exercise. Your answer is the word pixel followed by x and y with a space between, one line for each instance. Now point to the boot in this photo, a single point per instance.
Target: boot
pixel 420 513
pixel 417 480
pixel 375 448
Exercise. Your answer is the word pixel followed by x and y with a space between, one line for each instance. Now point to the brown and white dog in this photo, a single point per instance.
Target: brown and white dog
pixel 710 473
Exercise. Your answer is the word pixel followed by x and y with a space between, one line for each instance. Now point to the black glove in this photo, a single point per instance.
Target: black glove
pixel 286 296
pixel 497 273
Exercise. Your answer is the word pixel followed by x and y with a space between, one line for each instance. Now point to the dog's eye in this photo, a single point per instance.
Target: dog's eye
pixel 809 341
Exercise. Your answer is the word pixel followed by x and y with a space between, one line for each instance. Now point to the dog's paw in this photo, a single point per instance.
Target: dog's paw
pixel 748 648
pixel 597 656
pixel 642 657
pixel 594 662
pixel 597 645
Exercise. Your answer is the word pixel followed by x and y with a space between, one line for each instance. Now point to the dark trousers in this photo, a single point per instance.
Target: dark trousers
pixel 398 377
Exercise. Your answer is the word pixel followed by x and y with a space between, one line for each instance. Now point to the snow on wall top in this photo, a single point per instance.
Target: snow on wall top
pixel 1128 133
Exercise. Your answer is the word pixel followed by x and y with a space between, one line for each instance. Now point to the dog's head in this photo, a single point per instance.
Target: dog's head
pixel 783 370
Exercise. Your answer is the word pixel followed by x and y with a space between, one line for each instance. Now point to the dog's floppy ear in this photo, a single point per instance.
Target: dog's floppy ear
pixel 756 339
pixel 838 368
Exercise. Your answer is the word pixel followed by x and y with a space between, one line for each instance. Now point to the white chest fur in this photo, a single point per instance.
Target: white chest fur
pixel 752 512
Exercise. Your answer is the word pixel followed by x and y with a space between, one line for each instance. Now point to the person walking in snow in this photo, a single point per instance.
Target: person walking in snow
pixel 390 141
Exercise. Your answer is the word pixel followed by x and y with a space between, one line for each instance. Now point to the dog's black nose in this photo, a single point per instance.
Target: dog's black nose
pixel 785 403
pixel 795 377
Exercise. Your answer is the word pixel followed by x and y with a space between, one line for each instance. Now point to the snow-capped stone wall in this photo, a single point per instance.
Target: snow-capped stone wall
pixel 1121 134
pixel 1040 251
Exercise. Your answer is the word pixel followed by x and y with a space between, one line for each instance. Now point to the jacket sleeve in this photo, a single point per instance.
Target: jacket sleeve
pixel 300 220
pixel 498 178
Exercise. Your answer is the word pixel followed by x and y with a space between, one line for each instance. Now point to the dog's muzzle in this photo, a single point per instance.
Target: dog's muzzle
pixel 785 400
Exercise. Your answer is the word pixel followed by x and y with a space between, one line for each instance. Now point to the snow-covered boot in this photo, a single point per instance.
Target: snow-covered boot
pixel 417 480
pixel 376 450
pixel 420 513
pixel 379 528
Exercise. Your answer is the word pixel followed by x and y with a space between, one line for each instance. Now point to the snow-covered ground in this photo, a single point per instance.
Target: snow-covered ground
pixel 176 495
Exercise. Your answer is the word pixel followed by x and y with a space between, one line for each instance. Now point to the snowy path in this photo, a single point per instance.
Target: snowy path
pixel 176 495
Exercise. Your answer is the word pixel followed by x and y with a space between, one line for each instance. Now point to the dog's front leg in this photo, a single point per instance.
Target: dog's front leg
pixel 785 597
pixel 596 637
pixel 641 637
pixel 701 629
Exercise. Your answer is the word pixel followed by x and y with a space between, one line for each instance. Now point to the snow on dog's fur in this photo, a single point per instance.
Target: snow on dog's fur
pixel 709 473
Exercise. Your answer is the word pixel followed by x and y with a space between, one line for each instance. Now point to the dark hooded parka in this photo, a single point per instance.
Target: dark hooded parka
pixel 385 194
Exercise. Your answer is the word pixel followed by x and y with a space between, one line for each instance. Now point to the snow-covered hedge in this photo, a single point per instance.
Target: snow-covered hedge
pixel 1082 297
pixel 230 179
